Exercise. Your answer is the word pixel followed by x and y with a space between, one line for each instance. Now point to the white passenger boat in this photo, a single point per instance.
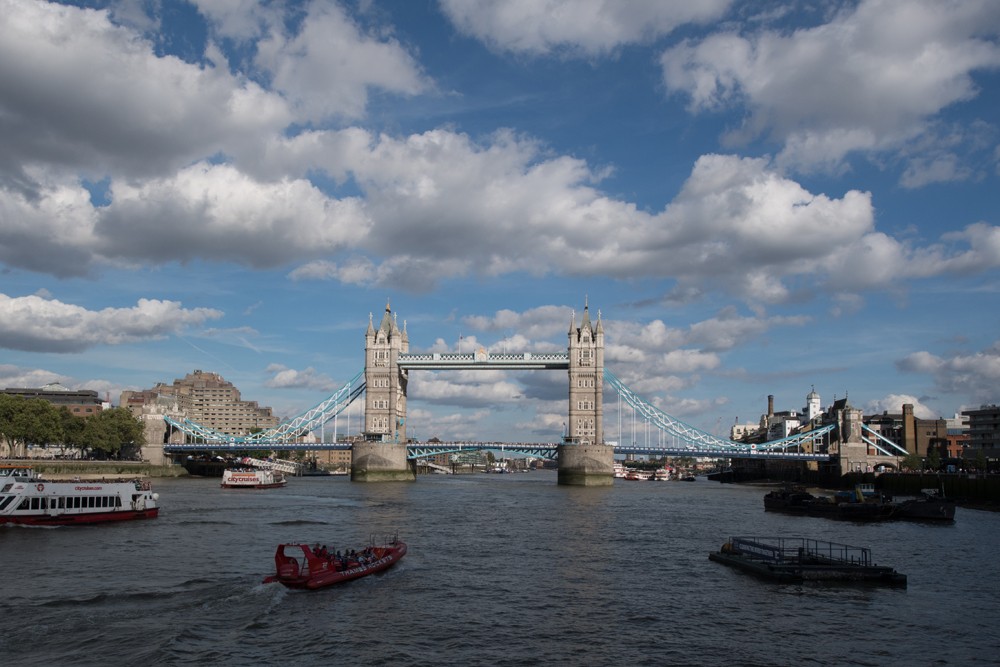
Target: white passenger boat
pixel 26 498
pixel 662 474
pixel 252 478
pixel 620 470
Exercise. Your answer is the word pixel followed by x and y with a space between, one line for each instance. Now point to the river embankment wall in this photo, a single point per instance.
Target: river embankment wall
pixel 68 469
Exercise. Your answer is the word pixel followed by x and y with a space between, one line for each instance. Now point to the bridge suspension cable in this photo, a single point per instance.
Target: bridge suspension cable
pixel 304 423
pixel 701 440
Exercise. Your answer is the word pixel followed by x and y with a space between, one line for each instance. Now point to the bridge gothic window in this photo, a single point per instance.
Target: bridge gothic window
pixel 585 357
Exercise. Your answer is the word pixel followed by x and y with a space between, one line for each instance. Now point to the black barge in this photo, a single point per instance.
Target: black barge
pixel 797 560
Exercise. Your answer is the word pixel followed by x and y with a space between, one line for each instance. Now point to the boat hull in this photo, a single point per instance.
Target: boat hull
pixel 254 486
pixel 303 569
pixel 802 503
pixel 927 510
pixel 80 519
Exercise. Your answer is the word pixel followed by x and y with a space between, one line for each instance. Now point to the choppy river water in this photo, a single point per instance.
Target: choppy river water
pixel 501 570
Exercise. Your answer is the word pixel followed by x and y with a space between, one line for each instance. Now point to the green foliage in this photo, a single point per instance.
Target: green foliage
pixel 26 422
pixel 72 427
pixel 35 421
pixel 981 460
pixel 934 459
pixel 113 432
pixel 913 462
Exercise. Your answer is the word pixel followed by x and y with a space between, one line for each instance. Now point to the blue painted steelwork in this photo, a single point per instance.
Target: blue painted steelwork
pixel 306 422
pixel 900 451
pixel 484 360
pixel 697 443
pixel 701 443
pixel 180 448
pixel 537 450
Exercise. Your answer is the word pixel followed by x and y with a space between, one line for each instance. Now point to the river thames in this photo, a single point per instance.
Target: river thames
pixel 501 570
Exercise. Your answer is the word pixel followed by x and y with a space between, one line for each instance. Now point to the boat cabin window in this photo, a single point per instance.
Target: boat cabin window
pixel 25 504
pixel 6 501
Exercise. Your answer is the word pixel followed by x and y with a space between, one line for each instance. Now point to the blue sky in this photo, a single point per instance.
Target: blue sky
pixel 758 198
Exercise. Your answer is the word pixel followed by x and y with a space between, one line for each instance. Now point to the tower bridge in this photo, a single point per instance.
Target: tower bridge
pixel 382 452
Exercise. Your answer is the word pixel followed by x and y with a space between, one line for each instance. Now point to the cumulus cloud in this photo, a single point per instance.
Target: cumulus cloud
pixel 289 378
pixel 869 80
pixel 446 206
pixel 15 376
pixel 45 325
pixel 540 322
pixel 974 374
pixel 79 92
pixel 589 27
pixel 463 388
pixel 893 404
pixel 327 67
pixel 422 208
pixel 217 211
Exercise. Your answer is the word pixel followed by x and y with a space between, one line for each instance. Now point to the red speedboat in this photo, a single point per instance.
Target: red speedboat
pixel 311 567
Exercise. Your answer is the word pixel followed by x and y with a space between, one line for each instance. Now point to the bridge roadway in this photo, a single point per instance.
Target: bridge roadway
pixel 539 450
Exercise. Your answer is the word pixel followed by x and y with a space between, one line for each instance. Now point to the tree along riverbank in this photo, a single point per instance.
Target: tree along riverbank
pixel 68 469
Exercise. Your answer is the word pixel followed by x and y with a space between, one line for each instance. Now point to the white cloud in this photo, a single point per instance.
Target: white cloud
pixel 975 374
pixel 868 80
pixel 289 378
pixel 327 68
pixel 540 322
pixel 893 404
pixel 689 361
pixel 44 325
pixel 218 212
pixel 464 388
pixel 77 91
pixel 14 376
pixel 591 27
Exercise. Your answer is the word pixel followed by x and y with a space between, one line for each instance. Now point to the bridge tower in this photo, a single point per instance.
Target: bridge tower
pixel 584 459
pixel 382 455
pixel 586 381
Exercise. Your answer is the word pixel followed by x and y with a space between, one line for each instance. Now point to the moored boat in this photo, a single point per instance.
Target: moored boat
pixel 930 506
pixel 252 478
pixel 26 498
pixel 310 567
pixel 848 506
pixel 798 560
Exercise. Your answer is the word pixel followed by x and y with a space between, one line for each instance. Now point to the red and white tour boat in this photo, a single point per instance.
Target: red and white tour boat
pixel 252 478
pixel 26 498
pixel 312 567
